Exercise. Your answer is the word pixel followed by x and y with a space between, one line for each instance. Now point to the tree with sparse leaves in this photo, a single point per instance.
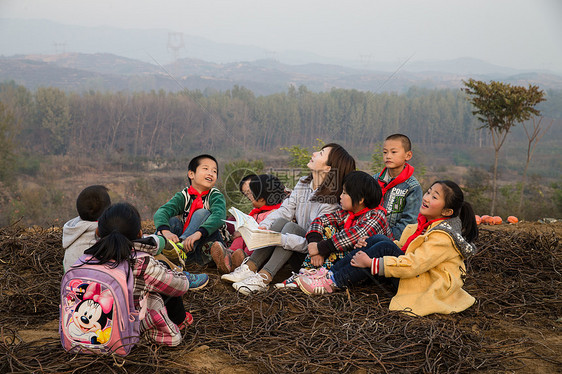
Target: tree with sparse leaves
pixel 500 106
pixel 533 136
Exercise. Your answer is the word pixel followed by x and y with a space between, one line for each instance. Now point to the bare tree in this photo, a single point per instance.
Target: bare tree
pixel 533 137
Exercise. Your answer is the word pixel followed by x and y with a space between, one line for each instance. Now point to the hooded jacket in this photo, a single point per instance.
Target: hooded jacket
pixel 77 236
pixel 431 271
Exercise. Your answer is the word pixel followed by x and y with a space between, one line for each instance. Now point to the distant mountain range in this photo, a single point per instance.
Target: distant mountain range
pixel 38 53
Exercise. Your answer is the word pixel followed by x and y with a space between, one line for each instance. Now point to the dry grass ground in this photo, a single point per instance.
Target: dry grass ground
pixel 514 327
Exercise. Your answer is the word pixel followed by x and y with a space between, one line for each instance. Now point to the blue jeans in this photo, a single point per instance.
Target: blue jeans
pixel 197 219
pixel 377 246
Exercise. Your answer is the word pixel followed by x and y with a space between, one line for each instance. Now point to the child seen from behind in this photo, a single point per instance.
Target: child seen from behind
pixel 119 229
pixel 79 233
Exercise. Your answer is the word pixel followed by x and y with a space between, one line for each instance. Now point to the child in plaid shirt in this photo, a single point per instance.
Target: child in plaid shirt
pixel 119 229
pixel 331 236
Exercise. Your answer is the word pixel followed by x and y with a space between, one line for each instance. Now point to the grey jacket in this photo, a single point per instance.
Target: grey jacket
pixel 298 207
pixel 77 236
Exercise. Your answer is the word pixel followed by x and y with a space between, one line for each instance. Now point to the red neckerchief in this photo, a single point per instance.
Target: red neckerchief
pixel 195 205
pixel 423 224
pixel 406 173
pixel 265 208
pixel 351 217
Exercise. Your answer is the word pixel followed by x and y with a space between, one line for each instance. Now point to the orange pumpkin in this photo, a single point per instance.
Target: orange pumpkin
pixel 497 220
pixel 478 219
pixel 486 219
pixel 512 219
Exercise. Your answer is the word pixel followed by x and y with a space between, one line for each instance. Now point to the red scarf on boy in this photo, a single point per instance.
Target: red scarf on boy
pixel 195 204
pixel 406 173
pixel 265 208
pixel 423 224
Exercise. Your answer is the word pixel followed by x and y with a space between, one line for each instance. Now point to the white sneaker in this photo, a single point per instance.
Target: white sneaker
pixel 239 274
pixel 255 283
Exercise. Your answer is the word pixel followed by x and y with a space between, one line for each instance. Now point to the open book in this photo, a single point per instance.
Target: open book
pixel 253 236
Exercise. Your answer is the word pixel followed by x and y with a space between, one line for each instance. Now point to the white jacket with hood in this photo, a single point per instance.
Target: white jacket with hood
pixel 77 236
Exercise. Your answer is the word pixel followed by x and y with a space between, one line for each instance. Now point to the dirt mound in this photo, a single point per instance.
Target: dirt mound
pixel 515 325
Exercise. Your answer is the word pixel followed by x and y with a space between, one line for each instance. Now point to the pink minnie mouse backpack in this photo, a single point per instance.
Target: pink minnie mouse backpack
pixel 97 311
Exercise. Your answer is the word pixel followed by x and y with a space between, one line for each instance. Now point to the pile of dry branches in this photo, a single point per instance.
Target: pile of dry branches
pixel 517 274
pixel 515 277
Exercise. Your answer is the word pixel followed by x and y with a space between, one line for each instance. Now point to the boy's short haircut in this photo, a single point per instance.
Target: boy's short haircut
pixel 360 185
pixel 268 187
pixel 92 201
pixel 245 179
pixel 195 161
pixel 406 143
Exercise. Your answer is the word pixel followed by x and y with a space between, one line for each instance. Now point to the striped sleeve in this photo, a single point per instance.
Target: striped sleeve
pixel 157 278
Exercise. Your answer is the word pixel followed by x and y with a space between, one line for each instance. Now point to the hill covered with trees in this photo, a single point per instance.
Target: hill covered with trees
pixel 130 130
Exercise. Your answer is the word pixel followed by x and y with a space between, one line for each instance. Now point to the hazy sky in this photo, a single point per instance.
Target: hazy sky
pixel 515 33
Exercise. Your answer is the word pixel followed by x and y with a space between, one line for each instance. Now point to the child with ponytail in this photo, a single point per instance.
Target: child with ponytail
pixel 119 230
pixel 426 264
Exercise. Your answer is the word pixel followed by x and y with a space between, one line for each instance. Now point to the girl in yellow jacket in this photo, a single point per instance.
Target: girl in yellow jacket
pixel 427 262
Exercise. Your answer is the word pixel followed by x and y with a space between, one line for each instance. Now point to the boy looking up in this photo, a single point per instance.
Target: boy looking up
pixel 202 208
pixel 402 193
pixel 79 233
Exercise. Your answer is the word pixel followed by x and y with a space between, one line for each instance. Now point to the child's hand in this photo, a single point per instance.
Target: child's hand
pixel 317 260
pixel 312 249
pixel 361 260
pixel 189 242
pixel 362 242
pixel 170 235
pixel 236 234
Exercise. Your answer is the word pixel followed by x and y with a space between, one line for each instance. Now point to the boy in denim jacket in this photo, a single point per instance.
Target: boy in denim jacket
pixel 402 193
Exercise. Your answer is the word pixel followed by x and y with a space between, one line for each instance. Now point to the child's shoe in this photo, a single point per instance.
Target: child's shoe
pixel 196 281
pixel 316 273
pixel 186 322
pixel 239 274
pixel 255 283
pixel 316 284
pixel 171 245
pixel 291 282
pixel 171 250
pixel 221 257
pixel 238 258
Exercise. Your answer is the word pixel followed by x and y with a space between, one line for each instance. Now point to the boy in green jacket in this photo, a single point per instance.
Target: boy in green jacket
pixel 202 208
